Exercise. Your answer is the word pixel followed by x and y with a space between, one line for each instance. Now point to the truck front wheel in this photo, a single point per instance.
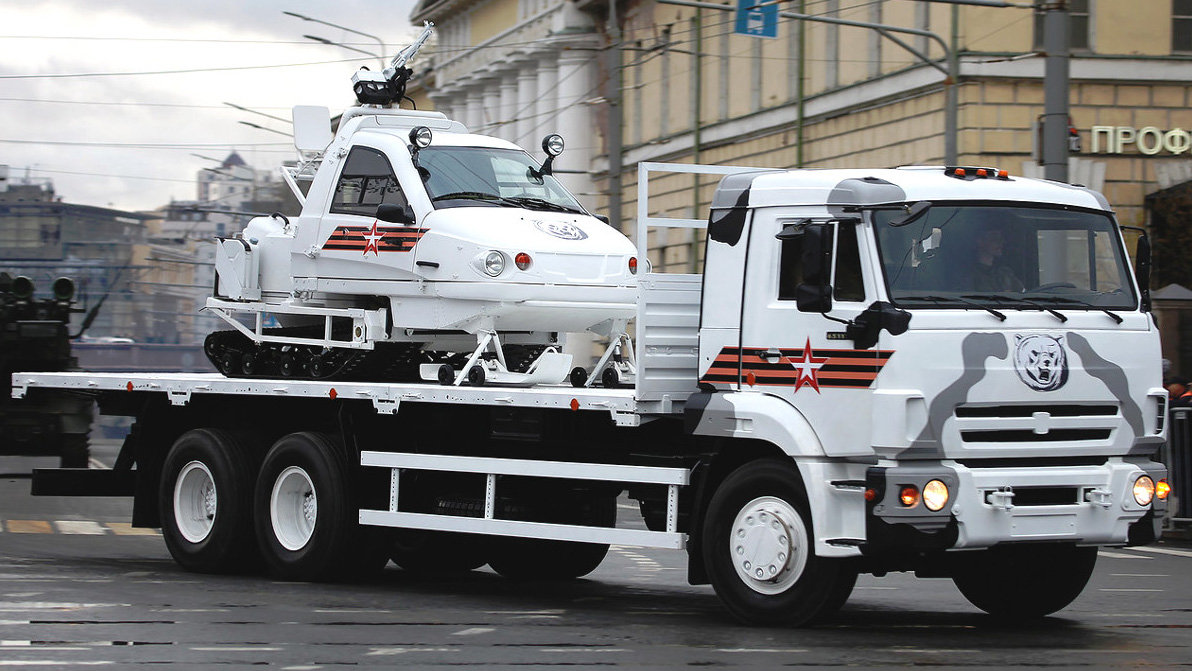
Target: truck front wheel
pixel 305 514
pixel 758 546
pixel 206 500
pixel 1025 580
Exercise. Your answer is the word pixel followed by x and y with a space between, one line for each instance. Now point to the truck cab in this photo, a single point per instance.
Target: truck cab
pixel 965 356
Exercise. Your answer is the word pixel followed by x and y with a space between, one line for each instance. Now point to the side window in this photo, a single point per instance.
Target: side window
pixel 790 268
pixel 850 285
pixel 367 181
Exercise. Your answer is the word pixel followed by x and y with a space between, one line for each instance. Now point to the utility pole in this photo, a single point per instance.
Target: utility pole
pixel 1055 90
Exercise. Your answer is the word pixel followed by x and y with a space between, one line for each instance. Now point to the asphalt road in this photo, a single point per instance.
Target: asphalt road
pixel 78 587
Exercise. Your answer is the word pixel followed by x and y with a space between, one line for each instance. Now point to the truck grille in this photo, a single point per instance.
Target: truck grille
pixel 1070 423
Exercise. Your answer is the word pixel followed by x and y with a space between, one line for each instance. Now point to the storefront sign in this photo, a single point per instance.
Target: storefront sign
pixel 1148 140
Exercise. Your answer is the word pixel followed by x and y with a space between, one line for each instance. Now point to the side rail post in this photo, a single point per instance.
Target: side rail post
pixel 1179 464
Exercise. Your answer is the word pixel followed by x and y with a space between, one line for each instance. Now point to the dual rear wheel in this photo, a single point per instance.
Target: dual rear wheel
pixel 297 515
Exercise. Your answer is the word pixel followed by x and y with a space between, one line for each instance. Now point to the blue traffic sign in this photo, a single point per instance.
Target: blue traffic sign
pixel 755 19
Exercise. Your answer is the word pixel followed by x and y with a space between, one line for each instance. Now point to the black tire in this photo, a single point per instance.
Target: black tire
pixel 758 521
pixel 476 376
pixel 547 560
pixel 306 514
pixel 446 375
pixel 1025 581
pixel 578 377
pixel 438 551
pixel 610 378
pixel 205 501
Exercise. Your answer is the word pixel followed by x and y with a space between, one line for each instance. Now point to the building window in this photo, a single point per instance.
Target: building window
pixel 1181 26
pixel 1079 24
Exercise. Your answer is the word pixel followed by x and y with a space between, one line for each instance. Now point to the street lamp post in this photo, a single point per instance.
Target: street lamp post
pixel 384 49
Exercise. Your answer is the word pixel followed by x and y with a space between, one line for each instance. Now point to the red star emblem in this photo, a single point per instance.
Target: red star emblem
pixel 371 239
pixel 808 367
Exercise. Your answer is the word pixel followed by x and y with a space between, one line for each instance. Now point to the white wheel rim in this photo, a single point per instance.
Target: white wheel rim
pixel 293 508
pixel 195 502
pixel 768 545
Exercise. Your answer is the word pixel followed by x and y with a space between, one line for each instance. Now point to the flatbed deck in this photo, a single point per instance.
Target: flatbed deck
pixel 386 397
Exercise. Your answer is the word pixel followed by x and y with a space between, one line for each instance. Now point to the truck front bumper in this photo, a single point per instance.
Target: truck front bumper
pixel 990 505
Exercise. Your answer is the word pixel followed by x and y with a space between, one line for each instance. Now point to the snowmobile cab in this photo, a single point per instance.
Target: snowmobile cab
pixel 421 250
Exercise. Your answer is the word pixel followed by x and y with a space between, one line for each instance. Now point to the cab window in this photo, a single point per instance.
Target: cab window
pixel 367 181
pixel 849 284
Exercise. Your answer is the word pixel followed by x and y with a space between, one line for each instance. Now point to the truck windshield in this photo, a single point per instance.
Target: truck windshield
pixel 1004 256
pixel 481 176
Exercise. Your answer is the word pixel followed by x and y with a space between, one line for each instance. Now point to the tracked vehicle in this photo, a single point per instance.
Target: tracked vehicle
pixel 422 251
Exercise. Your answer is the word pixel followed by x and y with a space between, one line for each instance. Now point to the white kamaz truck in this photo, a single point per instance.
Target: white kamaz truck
pixel 949 371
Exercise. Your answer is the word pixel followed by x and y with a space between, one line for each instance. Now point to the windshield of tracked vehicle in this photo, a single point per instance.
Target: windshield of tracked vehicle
pixel 481 176
pixel 1003 256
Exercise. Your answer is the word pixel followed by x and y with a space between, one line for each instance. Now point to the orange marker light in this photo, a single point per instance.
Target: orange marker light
pixel 633 265
pixel 960 172
pixel 522 260
pixel 870 494
pixel 1003 174
pixel 1162 490
pixel 909 496
pixel 981 172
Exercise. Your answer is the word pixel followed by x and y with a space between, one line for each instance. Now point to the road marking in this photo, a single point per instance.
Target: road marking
pixel 80 527
pixel 558 650
pixel 1128 589
pixel 402 651
pixel 29 527
pixel 244 648
pixel 1165 551
pixel 126 529
pixel 751 650
pixel 1139 575
pixel 1120 555
pixel 47 662
pixel 474 631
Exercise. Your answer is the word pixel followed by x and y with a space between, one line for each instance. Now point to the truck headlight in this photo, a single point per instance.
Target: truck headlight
pixel 935 495
pixel 1144 490
pixel 494 263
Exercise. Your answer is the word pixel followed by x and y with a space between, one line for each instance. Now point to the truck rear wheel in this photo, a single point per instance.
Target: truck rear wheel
pixel 1025 580
pixel 758 546
pixel 306 518
pixel 206 502
pixel 537 559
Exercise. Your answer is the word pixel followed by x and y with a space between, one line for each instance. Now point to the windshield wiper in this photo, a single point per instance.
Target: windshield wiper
pixel 1017 300
pixel 473 195
pixel 532 203
pixel 954 299
pixel 1085 304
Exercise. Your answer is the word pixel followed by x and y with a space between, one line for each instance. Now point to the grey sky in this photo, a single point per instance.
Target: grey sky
pixel 126 140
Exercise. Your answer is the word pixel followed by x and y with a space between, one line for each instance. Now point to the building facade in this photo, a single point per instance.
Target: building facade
pixel 101 249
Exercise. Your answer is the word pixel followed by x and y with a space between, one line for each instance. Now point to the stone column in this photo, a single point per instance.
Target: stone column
pixel 547 107
pixel 474 117
pixel 508 108
pixel 574 120
pixel 527 95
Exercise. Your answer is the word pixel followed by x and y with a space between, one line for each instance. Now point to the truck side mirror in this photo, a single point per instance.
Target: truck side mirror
pixel 1142 270
pixel 396 214
pixel 868 325
pixel 815 293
